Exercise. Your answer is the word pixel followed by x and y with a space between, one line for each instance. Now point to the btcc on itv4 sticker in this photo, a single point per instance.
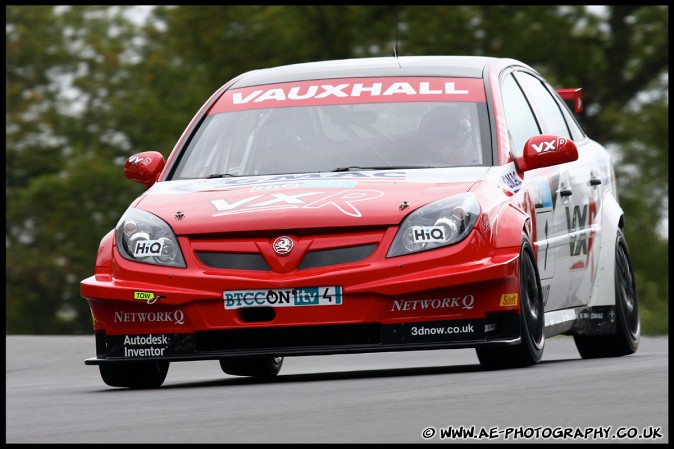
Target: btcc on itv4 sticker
pixel 290 297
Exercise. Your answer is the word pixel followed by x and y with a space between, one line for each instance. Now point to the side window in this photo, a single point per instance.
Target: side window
pixel 577 132
pixel 547 109
pixel 521 122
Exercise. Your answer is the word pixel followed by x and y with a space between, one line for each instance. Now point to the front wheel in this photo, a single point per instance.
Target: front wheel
pixel 628 328
pixel 257 366
pixel 532 321
pixel 134 374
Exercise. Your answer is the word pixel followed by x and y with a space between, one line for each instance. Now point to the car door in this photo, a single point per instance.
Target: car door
pixel 579 191
pixel 551 242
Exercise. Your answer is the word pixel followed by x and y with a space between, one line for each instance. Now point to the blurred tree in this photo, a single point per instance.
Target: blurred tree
pixel 65 147
pixel 87 87
pixel 33 148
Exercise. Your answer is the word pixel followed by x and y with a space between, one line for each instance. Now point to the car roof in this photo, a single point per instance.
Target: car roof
pixel 449 66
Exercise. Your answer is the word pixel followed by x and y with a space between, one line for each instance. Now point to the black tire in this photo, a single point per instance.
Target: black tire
pixel 628 324
pixel 257 366
pixel 134 374
pixel 532 321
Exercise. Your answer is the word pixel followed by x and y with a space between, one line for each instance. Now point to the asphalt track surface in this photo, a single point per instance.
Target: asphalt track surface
pixel 52 397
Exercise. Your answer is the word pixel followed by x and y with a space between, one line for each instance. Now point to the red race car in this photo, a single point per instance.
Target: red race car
pixel 367 205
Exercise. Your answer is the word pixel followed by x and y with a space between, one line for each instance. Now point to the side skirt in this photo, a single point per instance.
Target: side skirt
pixel 597 320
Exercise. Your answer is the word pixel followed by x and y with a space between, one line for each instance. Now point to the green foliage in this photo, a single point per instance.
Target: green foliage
pixel 57 222
pixel 135 87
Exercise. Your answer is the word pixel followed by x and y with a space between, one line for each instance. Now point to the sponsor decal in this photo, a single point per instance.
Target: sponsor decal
pixel 509 300
pixel 540 190
pixel 597 320
pixel 542 198
pixel 559 316
pixel 175 317
pixel 143 296
pixel 146 340
pixel 344 90
pixel 326 184
pixel 152 345
pixel 580 224
pixel 591 315
pixel 292 180
pixel 427 330
pixel 145 248
pixel 342 201
pixel 509 180
pixel 290 297
pixel 139 161
pixel 145 345
pixel 268 187
pixel 434 331
pixel 466 302
pixel 551 145
pixel 428 234
pixel 349 91
pixel 364 175
pixel 490 327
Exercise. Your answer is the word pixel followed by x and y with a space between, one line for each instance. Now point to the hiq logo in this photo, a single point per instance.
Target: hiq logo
pixel 144 248
pixel 427 234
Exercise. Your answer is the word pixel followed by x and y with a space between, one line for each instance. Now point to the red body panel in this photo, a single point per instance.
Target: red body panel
pixel 376 289
pixel 465 281
pixel 284 202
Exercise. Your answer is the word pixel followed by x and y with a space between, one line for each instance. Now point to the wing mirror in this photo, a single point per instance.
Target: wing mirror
pixel 545 151
pixel 144 167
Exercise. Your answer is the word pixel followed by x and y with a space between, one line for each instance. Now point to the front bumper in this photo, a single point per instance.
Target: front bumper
pixel 430 301
pixel 500 328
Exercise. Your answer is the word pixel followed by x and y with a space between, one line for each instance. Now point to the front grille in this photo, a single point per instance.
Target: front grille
pixel 233 261
pixel 328 257
pixel 288 337
pixel 313 259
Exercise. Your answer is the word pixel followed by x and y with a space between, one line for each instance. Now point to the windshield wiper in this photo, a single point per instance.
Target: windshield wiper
pixel 356 167
pixel 220 175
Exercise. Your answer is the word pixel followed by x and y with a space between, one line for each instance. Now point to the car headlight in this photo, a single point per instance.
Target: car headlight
pixel 438 224
pixel 146 238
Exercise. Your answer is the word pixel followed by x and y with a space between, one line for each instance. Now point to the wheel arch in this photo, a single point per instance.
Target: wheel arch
pixel 529 350
pixel 612 220
pixel 512 222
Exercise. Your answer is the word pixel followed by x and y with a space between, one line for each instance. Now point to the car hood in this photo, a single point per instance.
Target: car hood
pixel 294 201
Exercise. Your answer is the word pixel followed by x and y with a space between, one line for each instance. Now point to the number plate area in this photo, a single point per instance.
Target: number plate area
pixel 283 297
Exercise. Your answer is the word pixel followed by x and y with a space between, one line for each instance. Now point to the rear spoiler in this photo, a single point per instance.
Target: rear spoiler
pixel 574 94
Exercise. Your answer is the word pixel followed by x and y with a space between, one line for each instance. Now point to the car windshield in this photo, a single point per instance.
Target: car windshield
pixel 337 137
